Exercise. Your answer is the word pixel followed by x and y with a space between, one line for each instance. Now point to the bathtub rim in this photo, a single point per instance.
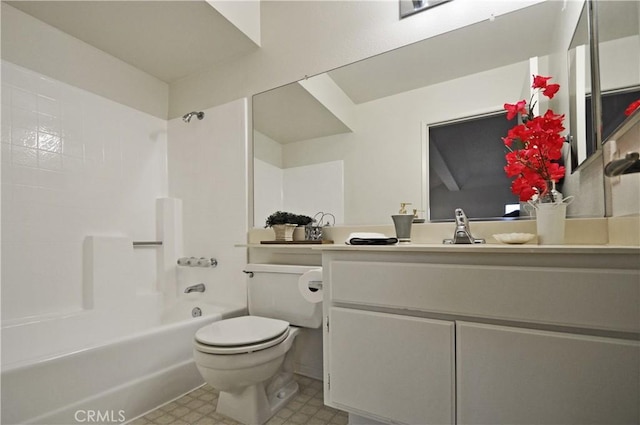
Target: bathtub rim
pixel 228 310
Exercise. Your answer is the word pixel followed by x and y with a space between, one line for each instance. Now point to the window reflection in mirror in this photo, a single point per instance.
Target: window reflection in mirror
pixel 464 168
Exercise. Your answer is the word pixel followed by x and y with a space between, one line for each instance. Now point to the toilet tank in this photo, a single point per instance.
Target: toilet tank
pixel 273 292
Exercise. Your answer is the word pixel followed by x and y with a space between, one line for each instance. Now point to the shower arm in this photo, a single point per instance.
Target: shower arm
pixel 187 117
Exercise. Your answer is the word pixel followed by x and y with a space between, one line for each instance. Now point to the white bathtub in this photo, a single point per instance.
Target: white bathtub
pixel 115 381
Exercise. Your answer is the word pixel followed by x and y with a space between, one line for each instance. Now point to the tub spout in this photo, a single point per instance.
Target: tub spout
pixel 195 288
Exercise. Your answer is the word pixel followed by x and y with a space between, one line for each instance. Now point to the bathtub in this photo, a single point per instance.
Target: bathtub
pixel 114 382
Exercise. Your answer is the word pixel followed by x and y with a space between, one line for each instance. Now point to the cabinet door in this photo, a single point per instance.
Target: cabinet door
pixel 393 367
pixel 519 376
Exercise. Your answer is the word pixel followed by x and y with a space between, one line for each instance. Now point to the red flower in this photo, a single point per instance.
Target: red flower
pixel 551 90
pixel 632 107
pixel 540 82
pixel 533 164
pixel 514 110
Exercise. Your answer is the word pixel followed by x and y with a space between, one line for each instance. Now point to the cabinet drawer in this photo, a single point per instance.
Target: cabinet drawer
pixel 592 298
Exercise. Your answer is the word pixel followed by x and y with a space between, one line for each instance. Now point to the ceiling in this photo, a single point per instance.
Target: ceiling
pixel 469 50
pixel 167 39
pixel 290 114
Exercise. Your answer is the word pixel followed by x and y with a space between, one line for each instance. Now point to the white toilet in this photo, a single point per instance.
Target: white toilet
pixel 249 359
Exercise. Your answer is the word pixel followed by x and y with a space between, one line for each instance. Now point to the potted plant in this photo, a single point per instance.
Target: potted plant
pixel 284 223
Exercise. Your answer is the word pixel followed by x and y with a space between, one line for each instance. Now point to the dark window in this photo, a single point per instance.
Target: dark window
pixel 466 168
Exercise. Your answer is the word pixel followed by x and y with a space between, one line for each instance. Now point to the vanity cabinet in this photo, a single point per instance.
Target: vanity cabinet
pixel 393 366
pixel 509 375
pixel 450 335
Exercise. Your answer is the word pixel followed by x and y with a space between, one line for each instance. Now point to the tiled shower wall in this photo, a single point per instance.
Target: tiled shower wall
pixel 74 164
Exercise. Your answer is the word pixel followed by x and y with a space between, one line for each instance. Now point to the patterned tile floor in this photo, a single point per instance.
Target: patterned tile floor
pixel 199 408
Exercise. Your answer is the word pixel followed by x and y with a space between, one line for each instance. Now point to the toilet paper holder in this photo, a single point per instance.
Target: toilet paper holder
pixel 315 285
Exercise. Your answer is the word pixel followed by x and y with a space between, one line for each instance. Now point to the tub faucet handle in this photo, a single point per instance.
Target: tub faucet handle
pixel 195 288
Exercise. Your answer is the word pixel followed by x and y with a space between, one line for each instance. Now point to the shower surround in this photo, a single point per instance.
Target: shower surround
pixel 82 178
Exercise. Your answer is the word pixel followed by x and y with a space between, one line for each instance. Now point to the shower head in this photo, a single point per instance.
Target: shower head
pixel 187 117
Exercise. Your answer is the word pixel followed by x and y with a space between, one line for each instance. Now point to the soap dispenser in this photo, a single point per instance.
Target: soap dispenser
pixel 402 223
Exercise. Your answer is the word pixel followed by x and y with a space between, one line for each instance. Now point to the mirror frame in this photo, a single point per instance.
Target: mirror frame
pixel 579 113
pixel 596 100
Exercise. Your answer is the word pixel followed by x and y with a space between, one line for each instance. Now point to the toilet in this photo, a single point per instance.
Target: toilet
pixel 249 359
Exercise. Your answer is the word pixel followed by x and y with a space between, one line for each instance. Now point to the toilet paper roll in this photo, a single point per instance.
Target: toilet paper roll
pixel 310 285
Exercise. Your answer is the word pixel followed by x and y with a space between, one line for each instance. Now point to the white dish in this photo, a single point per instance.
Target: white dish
pixel 514 238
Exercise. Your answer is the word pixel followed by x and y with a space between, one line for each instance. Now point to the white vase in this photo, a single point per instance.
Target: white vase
pixel 550 222
pixel 284 232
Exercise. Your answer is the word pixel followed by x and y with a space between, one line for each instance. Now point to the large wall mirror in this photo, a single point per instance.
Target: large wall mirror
pixel 617 36
pixel 351 141
pixel 618 40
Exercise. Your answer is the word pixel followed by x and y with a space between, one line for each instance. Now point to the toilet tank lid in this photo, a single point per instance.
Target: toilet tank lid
pixel 279 268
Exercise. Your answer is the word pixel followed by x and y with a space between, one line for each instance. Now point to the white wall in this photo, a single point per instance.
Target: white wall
pixel 620 63
pixel 268 191
pixel 310 189
pixel 267 149
pixel 208 171
pixel 74 164
pixel 625 189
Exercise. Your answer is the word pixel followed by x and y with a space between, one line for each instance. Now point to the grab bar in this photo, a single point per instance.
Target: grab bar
pixel 147 243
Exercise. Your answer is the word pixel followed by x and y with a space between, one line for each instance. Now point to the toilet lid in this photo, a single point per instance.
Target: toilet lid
pixel 241 331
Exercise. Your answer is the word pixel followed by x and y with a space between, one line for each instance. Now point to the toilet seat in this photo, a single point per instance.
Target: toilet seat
pixel 238 335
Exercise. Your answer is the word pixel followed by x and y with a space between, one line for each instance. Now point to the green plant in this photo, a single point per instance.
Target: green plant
pixel 282 217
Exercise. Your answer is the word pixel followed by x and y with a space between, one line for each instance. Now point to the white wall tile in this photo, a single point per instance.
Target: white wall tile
pixel 77 165
pixel 27 138
pixel 207 170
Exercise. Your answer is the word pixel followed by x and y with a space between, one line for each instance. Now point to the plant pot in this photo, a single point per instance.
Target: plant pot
pixel 298 233
pixel 284 232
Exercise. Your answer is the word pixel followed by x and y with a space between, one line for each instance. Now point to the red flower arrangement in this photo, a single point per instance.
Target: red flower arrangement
pixel 632 107
pixel 534 146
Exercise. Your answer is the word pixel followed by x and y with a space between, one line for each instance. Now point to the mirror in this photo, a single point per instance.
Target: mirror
pixel 618 40
pixel 352 141
pixel 617 77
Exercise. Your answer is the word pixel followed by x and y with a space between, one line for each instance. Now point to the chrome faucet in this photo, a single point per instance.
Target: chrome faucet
pixel 462 234
pixel 627 165
pixel 195 288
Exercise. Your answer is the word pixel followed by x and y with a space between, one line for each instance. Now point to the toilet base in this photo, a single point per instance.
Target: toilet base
pixel 253 406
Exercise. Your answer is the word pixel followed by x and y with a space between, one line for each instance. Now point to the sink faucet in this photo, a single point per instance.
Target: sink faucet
pixel 462 234
pixel 195 288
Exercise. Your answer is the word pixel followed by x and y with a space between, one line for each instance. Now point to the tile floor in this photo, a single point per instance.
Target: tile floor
pixel 199 408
